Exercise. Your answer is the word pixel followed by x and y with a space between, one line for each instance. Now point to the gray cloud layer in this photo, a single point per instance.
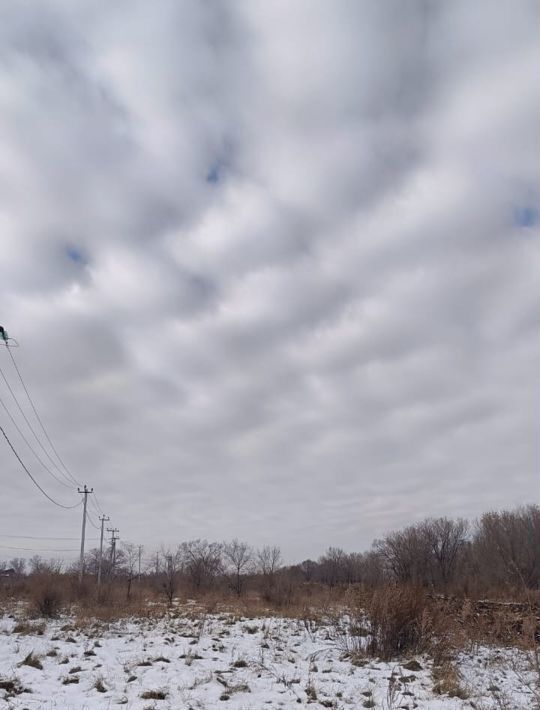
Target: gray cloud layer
pixel 274 267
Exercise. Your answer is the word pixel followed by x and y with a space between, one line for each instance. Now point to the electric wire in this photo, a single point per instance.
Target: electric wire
pixel 60 505
pixel 17 427
pixel 42 549
pixel 21 410
pixel 69 475
pixel 96 508
pixel 71 478
pixel 40 537
pixel 98 504
pixel 92 523
pixel 39 418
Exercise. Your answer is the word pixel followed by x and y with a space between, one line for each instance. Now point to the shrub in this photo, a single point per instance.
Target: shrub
pixel 399 622
pixel 47 598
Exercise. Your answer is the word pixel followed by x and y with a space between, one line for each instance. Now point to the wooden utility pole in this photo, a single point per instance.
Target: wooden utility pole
pixel 114 538
pixel 102 519
pixel 85 492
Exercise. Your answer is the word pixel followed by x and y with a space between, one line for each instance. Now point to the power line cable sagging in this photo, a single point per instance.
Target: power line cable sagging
pixel 91 520
pixel 29 445
pixel 97 505
pixel 60 505
pixel 69 479
pixel 41 424
pixel 34 434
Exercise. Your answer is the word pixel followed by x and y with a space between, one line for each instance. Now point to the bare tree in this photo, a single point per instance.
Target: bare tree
pixel 116 560
pixel 506 547
pixel 38 565
pixel 239 558
pixel 268 560
pixel 447 540
pixel 91 561
pixel 333 566
pixel 202 562
pixel 373 572
pixel 130 563
pixel 308 569
pixel 18 564
pixel 268 564
pixel 407 555
pixel 170 568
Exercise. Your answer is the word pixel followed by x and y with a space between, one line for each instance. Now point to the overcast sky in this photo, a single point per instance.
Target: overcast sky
pixel 273 266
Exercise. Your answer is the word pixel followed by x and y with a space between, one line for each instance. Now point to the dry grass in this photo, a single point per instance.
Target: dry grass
pixel 400 622
pixel 47 600
pixel 153 695
pixel 396 623
pixel 390 621
pixel 32 660
pixel 12 687
pixel 28 628
pixel 99 685
pixel 447 681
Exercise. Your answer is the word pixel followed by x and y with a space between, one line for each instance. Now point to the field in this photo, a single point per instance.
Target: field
pixel 193 659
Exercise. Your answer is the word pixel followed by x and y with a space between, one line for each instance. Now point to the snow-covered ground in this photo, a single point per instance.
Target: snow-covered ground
pixel 222 661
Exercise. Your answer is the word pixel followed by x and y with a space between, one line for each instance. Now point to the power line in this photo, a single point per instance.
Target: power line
pixel 40 537
pixel 40 549
pixel 67 475
pixel 97 508
pixel 29 425
pixel 96 502
pixel 39 418
pixel 17 427
pixel 92 523
pixel 60 505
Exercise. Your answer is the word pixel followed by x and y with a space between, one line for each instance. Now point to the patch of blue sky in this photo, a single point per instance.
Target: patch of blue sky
pixel 214 174
pixel 526 216
pixel 75 255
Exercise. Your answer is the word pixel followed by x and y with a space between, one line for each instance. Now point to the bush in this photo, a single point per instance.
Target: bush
pixel 50 604
pixel 400 622
pixel 47 600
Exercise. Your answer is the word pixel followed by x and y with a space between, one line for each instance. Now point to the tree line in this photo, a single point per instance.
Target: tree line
pixel 500 551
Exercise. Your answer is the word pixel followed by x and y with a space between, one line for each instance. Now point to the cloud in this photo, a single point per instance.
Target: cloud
pixel 273 267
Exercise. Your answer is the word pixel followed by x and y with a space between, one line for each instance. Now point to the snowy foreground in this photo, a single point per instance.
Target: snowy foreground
pixel 222 661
